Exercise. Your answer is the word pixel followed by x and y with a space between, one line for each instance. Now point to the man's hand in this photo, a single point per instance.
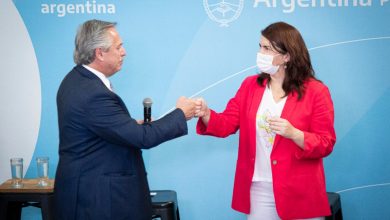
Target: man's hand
pixel 187 106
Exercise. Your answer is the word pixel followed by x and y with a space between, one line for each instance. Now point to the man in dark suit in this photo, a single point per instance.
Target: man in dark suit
pixel 101 173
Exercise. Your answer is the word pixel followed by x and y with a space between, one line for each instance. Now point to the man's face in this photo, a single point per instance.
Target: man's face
pixel 113 58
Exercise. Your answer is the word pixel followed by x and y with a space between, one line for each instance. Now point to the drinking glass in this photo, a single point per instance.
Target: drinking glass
pixel 43 170
pixel 17 172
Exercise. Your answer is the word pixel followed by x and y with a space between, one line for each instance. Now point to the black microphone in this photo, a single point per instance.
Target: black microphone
pixel 147 109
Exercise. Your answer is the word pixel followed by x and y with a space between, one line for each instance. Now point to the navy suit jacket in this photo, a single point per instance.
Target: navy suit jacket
pixel 101 173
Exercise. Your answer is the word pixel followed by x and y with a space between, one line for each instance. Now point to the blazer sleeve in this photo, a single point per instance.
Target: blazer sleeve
pixel 228 122
pixel 108 119
pixel 321 137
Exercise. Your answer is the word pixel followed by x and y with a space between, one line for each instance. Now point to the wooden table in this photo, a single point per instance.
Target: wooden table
pixel 12 200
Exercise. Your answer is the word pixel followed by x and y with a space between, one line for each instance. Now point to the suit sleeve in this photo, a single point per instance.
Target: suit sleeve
pixel 320 138
pixel 108 119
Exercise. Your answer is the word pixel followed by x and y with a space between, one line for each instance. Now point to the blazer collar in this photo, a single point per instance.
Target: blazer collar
pixel 291 102
pixel 84 72
pixel 288 110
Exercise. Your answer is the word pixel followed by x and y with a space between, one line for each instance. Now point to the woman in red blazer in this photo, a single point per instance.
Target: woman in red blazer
pixel 285 116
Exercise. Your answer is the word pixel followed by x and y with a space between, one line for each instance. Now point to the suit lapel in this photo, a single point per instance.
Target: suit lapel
pixel 86 73
pixel 288 110
pixel 257 94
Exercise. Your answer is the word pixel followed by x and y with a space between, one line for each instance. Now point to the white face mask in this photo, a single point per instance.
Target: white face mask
pixel 264 63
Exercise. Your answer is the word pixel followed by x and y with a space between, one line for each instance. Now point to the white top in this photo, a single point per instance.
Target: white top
pixel 101 76
pixel 264 136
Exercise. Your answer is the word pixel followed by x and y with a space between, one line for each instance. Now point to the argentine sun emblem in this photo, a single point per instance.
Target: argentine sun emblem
pixel 223 12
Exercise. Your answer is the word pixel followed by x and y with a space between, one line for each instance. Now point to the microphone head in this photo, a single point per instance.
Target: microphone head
pixel 147 102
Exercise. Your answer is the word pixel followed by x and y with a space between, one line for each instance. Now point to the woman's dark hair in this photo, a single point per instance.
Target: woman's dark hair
pixel 287 39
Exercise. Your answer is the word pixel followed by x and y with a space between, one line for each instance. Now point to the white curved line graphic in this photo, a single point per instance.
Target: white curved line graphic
pixel 220 81
pixel 251 67
pixel 363 187
pixel 351 41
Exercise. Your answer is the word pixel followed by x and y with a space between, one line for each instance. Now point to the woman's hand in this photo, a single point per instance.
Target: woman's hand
pixel 202 110
pixel 284 128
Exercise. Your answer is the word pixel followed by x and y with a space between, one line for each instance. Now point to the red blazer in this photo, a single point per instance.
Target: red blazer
pixel 298 175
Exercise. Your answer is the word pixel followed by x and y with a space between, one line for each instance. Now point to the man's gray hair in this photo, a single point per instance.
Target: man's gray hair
pixel 91 35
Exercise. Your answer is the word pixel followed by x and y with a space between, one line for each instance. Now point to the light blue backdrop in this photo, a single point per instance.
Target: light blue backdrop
pixel 186 48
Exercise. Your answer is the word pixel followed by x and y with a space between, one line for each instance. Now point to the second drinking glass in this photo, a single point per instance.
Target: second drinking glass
pixel 43 170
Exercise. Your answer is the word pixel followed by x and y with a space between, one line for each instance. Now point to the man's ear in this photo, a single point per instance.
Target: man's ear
pixel 99 54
